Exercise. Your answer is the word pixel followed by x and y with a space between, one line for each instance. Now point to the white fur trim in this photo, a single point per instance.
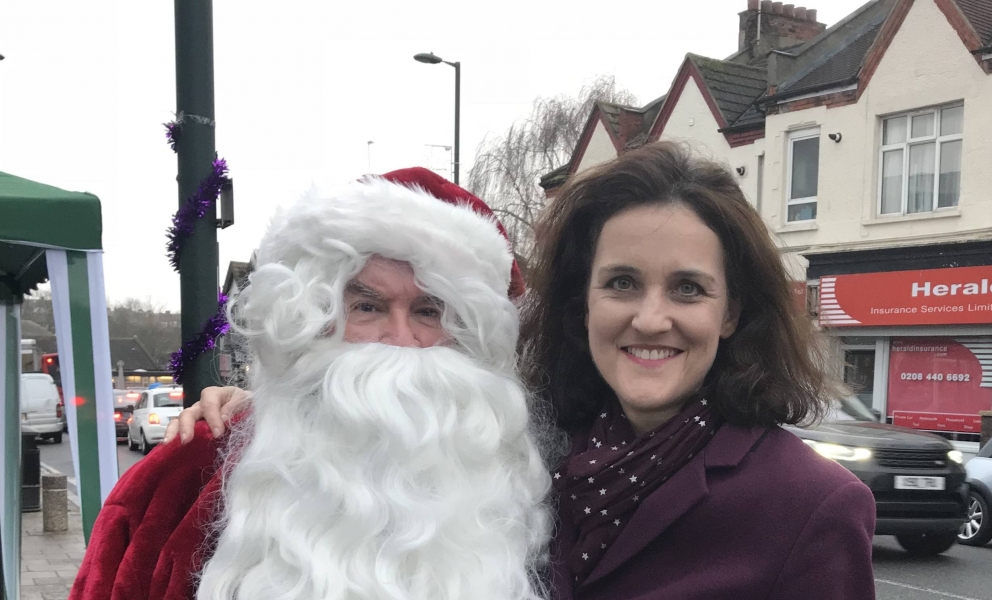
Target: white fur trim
pixel 376 216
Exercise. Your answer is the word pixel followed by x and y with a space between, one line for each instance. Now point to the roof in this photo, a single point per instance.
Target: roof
pixel 611 115
pixel 35 217
pixel 237 274
pixel 979 14
pixel 733 86
pixel 841 67
pixel 555 178
pixel 128 350
pixel 30 329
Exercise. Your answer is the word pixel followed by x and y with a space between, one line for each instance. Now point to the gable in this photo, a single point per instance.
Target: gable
pixel 924 61
pixel 692 119
pixel 596 147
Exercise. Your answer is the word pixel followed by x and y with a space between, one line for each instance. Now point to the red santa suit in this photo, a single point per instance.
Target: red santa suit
pixel 151 536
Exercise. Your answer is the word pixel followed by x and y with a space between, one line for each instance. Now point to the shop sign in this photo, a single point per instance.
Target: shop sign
pixel 958 296
pixel 940 384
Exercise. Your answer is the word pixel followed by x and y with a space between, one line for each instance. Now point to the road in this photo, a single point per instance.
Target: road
pixel 963 573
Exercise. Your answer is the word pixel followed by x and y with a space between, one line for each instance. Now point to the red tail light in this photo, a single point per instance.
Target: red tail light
pixel 58 410
pixel 154 420
pixel 117 416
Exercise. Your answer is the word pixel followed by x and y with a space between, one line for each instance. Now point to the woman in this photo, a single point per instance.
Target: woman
pixel 661 327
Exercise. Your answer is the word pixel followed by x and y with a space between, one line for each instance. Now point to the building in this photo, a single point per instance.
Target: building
pixel 866 149
pixel 233 355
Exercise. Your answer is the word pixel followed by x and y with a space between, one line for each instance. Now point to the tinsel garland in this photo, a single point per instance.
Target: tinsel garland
pixel 195 207
pixel 173 129
pixel 216 326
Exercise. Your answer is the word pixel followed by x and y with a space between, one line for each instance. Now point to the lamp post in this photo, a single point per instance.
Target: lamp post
pixel 430 59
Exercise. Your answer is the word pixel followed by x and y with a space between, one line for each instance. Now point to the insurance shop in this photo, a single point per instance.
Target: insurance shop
pixel 913 327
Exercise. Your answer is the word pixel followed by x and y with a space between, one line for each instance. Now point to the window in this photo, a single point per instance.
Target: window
pixel 920 161
pixel 803 174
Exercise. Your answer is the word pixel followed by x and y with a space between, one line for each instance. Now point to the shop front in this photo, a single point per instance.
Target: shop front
pixel 916 344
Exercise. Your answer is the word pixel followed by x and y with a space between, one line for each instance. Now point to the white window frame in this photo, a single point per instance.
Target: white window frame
pixel 905 146
pixel 796 136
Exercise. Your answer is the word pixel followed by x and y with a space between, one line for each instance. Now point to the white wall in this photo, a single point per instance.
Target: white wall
pixel 599 150
pixel 693 122
pixel 926 64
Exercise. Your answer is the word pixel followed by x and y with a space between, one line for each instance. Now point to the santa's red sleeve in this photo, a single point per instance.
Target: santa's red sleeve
pixel 147 539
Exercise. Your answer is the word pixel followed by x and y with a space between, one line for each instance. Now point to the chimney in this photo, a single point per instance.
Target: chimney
pixel 768 25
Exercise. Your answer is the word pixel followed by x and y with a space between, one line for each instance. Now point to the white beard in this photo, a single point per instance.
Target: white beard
pixel 384 473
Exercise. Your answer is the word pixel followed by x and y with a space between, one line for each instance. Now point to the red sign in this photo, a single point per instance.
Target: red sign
pixel 940 384
pixel 961 295
pixel 938 421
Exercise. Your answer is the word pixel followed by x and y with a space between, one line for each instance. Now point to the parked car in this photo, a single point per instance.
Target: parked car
pixel 41 407
pixel 977 530
pixel 124 401
pixel 917 478
pixel 151 416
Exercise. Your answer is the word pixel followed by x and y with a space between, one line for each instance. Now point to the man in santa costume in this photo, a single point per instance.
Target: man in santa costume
pixel 388 451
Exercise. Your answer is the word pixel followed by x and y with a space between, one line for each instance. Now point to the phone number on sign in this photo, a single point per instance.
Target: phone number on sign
pixel 962 377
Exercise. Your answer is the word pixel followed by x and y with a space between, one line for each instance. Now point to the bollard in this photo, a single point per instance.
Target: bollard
pixel 54 503
pixel 30 474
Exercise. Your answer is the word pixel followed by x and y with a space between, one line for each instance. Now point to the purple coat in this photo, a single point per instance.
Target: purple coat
pixel 756 515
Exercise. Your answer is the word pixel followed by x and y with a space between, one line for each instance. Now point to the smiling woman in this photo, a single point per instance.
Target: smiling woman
pixel 660 326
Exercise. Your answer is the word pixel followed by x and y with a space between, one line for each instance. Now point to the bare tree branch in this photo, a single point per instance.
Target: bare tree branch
pixel 508 168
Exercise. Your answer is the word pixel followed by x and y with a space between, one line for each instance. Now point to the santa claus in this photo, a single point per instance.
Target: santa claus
pixel 390 451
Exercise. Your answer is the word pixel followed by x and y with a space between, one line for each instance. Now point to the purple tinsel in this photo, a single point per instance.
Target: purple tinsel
pixel 173 129
pixel 195 207
pixel 216 326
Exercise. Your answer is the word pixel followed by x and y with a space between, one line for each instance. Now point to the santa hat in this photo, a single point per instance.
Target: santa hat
pixel 432 184
pixel 413 215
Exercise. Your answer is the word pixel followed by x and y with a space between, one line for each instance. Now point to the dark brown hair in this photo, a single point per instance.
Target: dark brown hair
pixel 770 371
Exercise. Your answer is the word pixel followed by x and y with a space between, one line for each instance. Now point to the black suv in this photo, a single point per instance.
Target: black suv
pixel 917 478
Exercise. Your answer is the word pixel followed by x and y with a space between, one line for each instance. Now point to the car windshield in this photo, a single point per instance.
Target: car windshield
pixel 850 409
pixel 169 398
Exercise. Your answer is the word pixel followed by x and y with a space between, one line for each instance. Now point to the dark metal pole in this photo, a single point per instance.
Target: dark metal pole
pixel 195 103
pixel 458 111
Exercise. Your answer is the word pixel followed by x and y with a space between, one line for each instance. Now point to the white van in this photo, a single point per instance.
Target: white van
pixel 40 406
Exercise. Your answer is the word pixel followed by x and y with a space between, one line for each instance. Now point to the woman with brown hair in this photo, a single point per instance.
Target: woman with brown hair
pixel 660 326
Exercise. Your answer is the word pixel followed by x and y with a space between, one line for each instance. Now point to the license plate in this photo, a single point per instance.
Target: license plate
pixel 919 483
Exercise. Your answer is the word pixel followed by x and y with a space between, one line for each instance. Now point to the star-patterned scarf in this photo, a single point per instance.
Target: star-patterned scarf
pixel 602 486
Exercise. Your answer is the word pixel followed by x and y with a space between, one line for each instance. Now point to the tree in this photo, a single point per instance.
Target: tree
pixel 153 326
pixel 508 168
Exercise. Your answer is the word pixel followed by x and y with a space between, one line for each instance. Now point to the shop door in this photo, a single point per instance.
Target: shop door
pixel 859 373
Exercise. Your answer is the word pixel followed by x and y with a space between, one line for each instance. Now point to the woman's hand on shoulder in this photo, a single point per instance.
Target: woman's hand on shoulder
pixel 216 406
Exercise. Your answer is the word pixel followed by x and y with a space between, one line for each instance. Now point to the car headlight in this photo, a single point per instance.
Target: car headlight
pixel 839 452
pixel 956 456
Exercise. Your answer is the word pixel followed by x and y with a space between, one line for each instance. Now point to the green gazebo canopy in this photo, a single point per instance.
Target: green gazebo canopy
pixel 35 216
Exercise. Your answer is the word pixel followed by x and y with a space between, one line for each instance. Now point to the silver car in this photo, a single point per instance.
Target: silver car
pixel 151 415
pixel 977 530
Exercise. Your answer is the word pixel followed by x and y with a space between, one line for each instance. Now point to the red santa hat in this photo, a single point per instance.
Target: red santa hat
pixel 411 215
pixel 432 184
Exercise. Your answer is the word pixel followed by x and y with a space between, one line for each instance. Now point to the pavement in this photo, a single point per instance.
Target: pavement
pixel 49 561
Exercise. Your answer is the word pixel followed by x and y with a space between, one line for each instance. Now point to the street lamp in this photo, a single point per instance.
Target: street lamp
pixel 430 59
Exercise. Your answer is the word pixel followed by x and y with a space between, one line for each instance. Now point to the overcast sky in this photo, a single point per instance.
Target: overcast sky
pixel 301 86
